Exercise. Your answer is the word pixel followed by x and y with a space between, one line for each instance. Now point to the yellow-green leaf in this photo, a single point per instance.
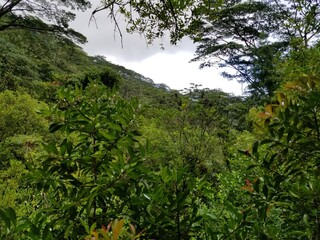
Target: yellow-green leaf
pixel 117 227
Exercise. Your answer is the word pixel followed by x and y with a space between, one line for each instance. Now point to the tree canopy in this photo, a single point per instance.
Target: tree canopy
pixel 23 14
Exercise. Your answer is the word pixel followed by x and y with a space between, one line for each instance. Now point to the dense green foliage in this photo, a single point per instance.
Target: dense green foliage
pixel 91 150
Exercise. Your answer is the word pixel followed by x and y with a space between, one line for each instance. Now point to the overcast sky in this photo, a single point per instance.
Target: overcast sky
pixel 169 66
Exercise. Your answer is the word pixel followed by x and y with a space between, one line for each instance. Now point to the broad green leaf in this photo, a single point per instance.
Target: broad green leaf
pixel 5 218
pixel 47 235
pixel 306 219
pixel 280 133
pixel 166 175
pixel 11 214
pixel 108 135
pixel 290 135
pixel 55 127
pixel 256 185
pixel 255 147
pixel 265 191
pixel 63 147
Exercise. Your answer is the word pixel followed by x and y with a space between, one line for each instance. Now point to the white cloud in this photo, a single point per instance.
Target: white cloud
pixel 170 66
pixel 175 71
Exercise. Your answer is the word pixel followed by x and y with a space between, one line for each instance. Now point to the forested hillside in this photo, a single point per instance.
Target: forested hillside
pixel 91 150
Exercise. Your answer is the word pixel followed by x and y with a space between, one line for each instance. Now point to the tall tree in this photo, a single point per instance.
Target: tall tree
pixel 31 14
pixel 249 36
pixel 238 35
